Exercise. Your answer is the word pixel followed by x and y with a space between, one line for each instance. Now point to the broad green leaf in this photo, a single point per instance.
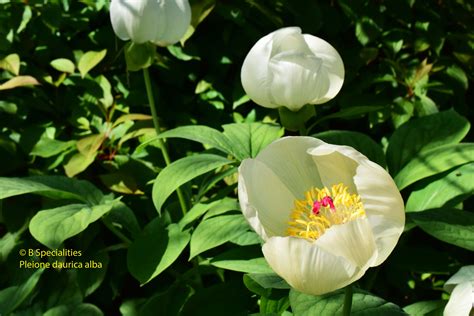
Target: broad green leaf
pixel 14 296
pixel 63 65
pixel 19 81
pixel 424 307
pixel 47 147
pixel 84 309
pixel 269 280
pixel 447 224
pixel 89 60
pixel 123 218
pixel 51 227
pixel 350 112
pixel 7 244
pixel 78 163
pixel 89 145
pixel 434 161
pixel 424 133
pixel 242 259
pixel 51 186
pixel 248 139
pixel 359 141
pixel 216 231
pixel 89 279
pixel 241 140
pixel 200 133
pixel 11 63
pixel 165 303
pixel 182 171
pixel 155 250
pixel 225 205
pixel 366 30
pixel 435 194
pixel 195 212
pixel 332 304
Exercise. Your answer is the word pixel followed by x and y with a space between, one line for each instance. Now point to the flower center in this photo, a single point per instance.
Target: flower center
pixel 323 208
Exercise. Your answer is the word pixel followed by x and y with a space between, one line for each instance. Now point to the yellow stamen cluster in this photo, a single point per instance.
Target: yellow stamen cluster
pixel 310 222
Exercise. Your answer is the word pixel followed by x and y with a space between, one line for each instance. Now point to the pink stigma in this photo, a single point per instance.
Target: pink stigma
pixel 324 202
pixel 316 207
pixel 327 201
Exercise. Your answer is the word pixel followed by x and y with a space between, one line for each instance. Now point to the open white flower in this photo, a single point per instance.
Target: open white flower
pixel 325 212
pixel 461 286
pixel 290 69
pixel 162 22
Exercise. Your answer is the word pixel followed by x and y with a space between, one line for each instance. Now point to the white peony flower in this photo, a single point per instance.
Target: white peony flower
pixel 325 212
pixel 290 69
pixel 162 22
pixel 461 287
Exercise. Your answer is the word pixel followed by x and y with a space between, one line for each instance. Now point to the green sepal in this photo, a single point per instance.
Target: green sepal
pixel 295 120
pixel 139 56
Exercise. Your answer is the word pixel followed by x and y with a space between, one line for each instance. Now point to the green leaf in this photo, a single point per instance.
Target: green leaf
pixel 84 309
pixel 200 133
pixel 424 133
pixel 89 60
pixel 19 81
pixel 458 182
pixel 11 63
pixel 78 163
pixel 359 141
pixel 350 112
pixel 242 259
pixel 182 171
pixel 155 250
pixel 424 307
pixel 216 231
pixel 14 296
pixel 332 304
pixel 433 161
pixel 269 280
pixel 366 30
pixel 47 147
pixel 248 139
pixel 63 65
pixel 447 224
pixel 90 279
pixel 51 227
pixel 51 186
pixel 241 140
pixel 8 243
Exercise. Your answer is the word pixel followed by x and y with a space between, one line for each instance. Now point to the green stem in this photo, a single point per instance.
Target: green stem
pixel 346 311
pixel 156 123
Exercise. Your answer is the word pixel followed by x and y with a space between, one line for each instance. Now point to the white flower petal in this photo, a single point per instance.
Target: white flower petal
pixel 255 70
pixel 332 69
pixel 383 205
pixel 288 159
pixel 118 16
pixel 382 201
pixel 177 19
pixel 353 240
pixel 287 68
pixel 295 79
pixel 461 301
pixel 334 166
pixel 161 21
pixel 308 268
pixel 264 200
pixel 464 274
